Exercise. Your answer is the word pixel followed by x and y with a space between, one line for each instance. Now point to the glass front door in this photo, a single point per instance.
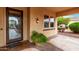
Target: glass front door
pixel 14 27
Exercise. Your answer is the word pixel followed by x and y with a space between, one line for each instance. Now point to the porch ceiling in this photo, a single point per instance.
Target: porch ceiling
pixel 57 9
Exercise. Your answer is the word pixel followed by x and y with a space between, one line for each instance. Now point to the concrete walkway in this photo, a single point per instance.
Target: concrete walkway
pixel 71 34
pixel 45 47
pixel 65 43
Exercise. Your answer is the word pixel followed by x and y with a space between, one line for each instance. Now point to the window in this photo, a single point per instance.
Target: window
pixel 51 22
pixel 48 23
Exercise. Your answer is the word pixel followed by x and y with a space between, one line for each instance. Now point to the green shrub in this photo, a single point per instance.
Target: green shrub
pixel 59 28
pixel 34 36
pixel 38 38
pixel 62 20
pixel 74 27
pixel 42 38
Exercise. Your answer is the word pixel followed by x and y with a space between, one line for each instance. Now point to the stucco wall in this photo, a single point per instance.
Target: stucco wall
pixel 68 12
pixel 2 25
pixel 40 12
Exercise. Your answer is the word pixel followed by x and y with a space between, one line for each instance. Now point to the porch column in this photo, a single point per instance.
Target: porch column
pixel 28 23
pixel 55 25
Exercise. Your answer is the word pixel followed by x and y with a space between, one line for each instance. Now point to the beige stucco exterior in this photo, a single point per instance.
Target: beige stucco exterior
pixel 2 25
pixel 40 12
pixel 27 27
pixel 68 12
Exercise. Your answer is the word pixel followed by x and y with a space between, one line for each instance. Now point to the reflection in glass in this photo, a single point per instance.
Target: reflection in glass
pixel 14 27
pixel 46 23
pixel 51 22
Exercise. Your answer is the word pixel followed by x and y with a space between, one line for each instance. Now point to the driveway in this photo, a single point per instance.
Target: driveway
pixel 66 43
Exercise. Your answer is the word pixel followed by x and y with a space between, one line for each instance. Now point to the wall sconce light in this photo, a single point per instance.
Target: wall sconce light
pixel 37 20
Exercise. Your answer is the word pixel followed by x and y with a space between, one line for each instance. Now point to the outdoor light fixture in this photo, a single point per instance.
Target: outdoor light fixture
pixel 37 20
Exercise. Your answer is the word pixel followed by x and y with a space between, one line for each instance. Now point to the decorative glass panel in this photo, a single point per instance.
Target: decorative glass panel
pixel 14 27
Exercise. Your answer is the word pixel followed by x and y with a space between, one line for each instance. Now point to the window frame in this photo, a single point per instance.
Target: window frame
pixel 49 26
pixel 53 23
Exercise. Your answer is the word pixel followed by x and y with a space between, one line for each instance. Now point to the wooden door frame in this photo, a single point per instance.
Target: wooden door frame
pixel 7 25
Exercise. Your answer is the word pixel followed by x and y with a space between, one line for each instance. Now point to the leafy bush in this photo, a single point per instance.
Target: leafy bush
pixel 74 27
pixel 62 20
pixel 38 38
pixel 59 28
pixel 42 38
pixel 34 36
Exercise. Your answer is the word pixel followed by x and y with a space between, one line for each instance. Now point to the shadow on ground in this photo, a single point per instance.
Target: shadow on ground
pixel 25 45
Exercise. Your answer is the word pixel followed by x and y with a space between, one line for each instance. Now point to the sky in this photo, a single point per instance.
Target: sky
pixel 71 16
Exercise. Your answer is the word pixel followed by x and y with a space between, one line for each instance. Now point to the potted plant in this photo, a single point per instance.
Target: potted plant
pixel 38 38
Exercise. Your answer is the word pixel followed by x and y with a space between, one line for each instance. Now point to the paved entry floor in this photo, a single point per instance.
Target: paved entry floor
pixel 58 43
pixel 65 43
pixel 27 46
pixel 45 47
